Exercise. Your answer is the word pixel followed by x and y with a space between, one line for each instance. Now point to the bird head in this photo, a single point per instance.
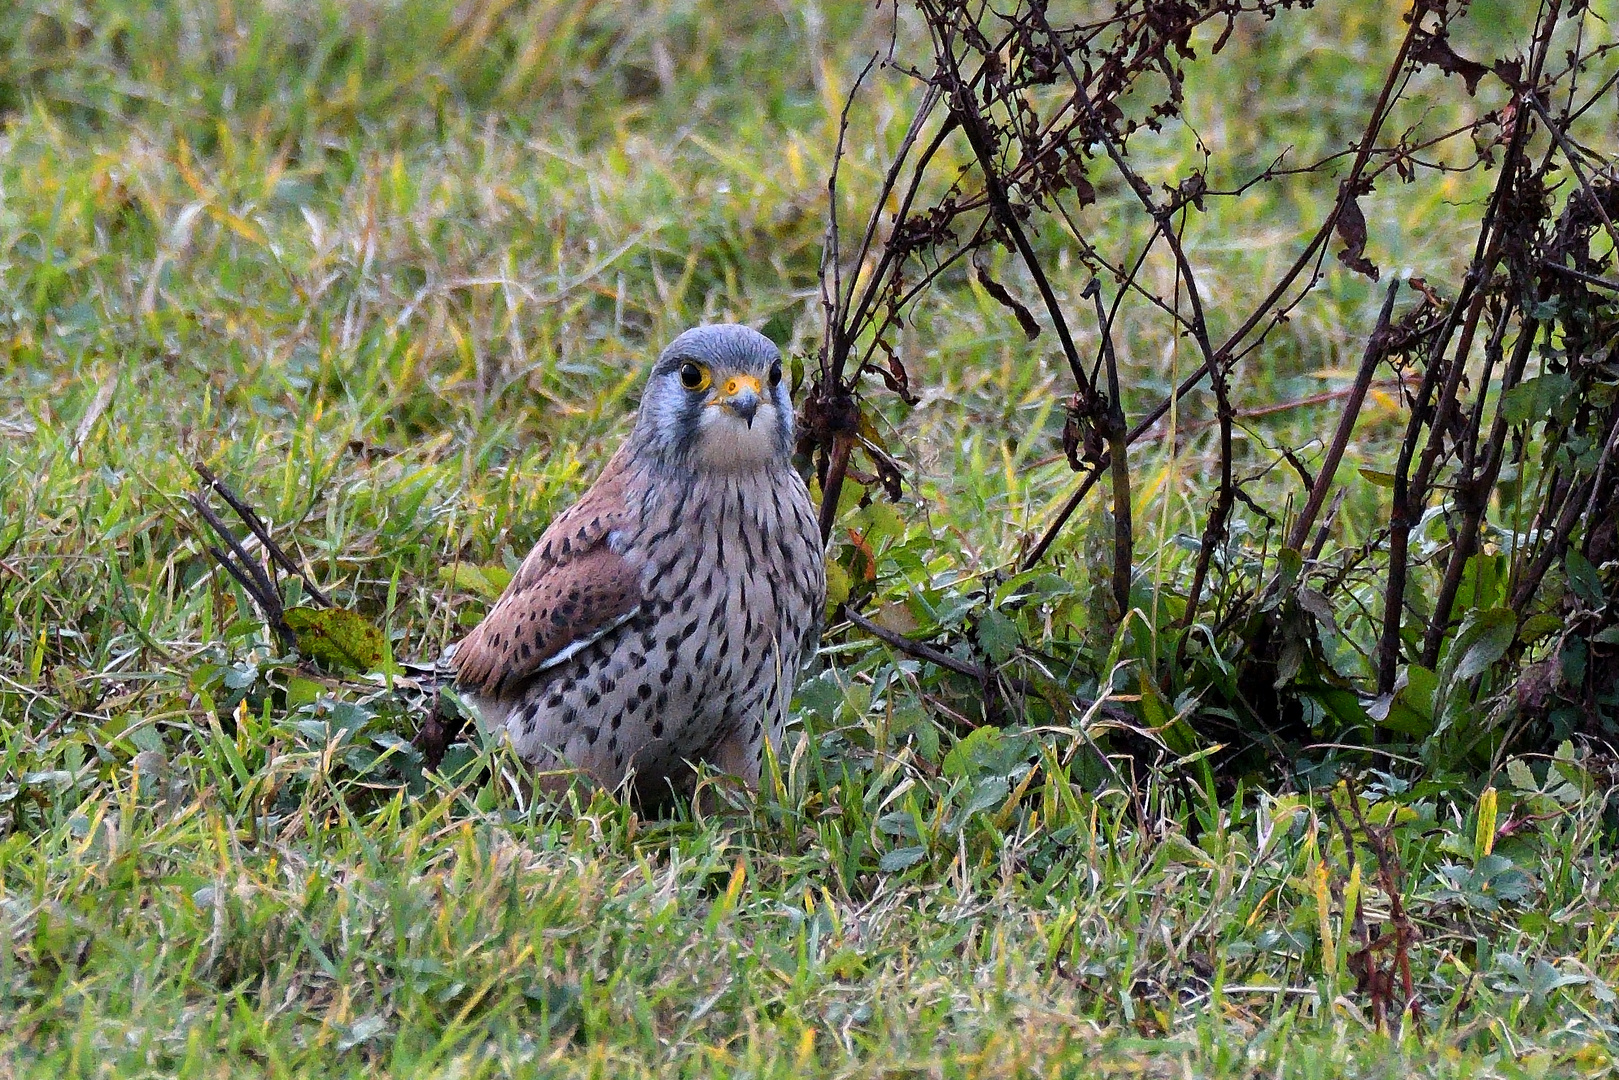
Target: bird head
pixel 716 398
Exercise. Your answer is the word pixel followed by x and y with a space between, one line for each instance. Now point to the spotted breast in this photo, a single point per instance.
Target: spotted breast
pixel 662 621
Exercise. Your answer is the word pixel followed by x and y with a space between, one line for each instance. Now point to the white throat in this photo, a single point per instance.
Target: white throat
pixel 726 442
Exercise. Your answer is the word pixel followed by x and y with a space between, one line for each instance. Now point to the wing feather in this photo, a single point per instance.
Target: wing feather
pixel 571 590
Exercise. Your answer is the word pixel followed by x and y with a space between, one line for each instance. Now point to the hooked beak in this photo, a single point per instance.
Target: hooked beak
pixel 741 394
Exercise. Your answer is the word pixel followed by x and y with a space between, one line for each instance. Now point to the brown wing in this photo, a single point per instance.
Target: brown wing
pixel 570 590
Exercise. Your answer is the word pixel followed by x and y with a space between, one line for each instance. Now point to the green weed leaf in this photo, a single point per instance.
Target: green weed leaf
pixel 487 581
pixel 987 751
pixel 901 858
pixel 1537 398
pixel 1484 638
pixel 336 639
pixel 1381 479
pixel 1583 578
pixel 998 635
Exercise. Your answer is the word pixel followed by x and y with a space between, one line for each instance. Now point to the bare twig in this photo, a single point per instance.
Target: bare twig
pixel 832 482
pixel 256 526
pixel 1573 159
pixel 258 584
pixel 1410 493
pixel 964 108
pixel 1580 503
pixel 1376 348
pixel 918 649
pixel 1040 106
pixel 1123 527
pixel 1473 496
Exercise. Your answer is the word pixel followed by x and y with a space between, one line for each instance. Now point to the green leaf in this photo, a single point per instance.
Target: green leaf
pixel 362 1030
pixel 1489 802
pixel 990 793
pixel 1343 705
pixel 1289 564
pixel 1420 686
pixel 242 676
pixel 1154 709
pixel 1537 398
pixel 1572 659
pixel 998 635
pixel 878 521
pixel 1317 604
pixel 987 751
pixel 1484 580
pixel 1381 479
pixel 336 639
pixel 1583 578
pixel 1411 709
pixel 837 585
pixel 898 823
pixel 487 581
pixel 1485 636
pixel 301 691
pixel 900 858
pixel 1042 583
pixel 1538 626
pixel 926 739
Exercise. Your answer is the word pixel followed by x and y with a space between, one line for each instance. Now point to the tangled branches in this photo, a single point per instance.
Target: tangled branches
pixel 1505 485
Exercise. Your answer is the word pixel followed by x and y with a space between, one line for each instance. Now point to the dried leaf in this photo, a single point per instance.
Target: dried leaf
pixel 1072 438
pixel 862 560
pixel 1428 294
pixel 1435 49
pixel 1025 317
pixel 895 376
pixel 1074 173
pixel 888 472
pixel 1351 226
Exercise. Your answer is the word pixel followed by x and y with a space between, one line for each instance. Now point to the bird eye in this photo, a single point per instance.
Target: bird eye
pixel 775 373
pixel 693 376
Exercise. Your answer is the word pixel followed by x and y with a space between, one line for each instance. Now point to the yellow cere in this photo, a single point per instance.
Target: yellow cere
pixel 737 383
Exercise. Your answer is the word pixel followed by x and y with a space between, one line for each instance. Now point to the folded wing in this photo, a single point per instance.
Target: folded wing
pixel 573 589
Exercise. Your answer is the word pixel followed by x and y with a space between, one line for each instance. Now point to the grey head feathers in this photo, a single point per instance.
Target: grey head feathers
pixel 716 399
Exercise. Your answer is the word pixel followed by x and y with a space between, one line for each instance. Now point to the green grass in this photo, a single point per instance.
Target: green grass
pixel 396 272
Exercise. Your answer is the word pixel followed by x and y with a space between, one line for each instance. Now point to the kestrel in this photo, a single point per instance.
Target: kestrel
pixel 661 621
